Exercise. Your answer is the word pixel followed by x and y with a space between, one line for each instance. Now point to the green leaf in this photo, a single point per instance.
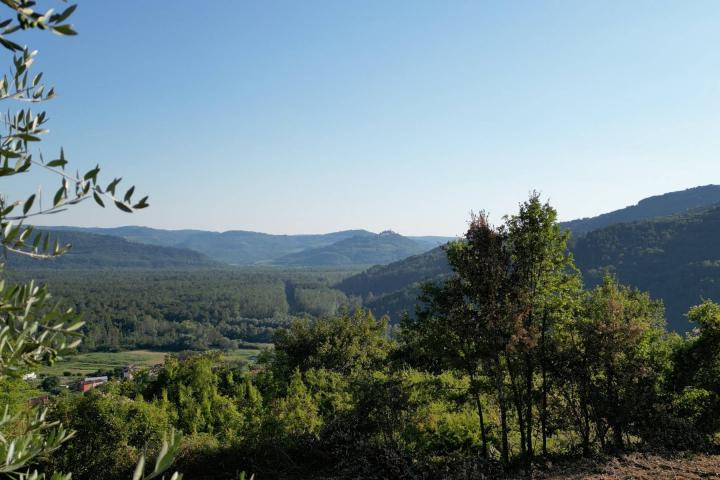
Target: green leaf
pixel 61 17
pixel 64 30
pixel 139 468
pixel 111 187
pixel 128 194
pixel 123 207
pixel 57 163
pixel 98 200
pixel 58 196
pixel 92 174
pixel 28 204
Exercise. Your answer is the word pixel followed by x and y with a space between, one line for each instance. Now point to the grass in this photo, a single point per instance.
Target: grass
pixel 85 363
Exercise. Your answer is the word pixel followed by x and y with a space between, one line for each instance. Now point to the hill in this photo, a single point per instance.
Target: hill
pixel 393 289
pixel 674 258
pixel 90 250
pixel 667 204
pixel 383 279
pixel 235 247
pixel 372 249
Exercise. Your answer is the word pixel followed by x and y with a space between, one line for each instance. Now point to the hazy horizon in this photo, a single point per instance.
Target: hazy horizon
pixel 133 225
pixel 293 118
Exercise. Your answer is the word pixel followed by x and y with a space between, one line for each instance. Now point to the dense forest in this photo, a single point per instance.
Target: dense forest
pixel 190 309
pixel 674 258
pixel 382 248
pixel 508 367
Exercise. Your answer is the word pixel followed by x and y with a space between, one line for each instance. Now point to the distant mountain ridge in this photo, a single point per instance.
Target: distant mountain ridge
pixel 672 203
pixel 91 250
pixel 238 247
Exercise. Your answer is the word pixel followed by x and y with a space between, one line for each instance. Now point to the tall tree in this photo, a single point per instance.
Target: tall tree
pixel 542 271
pixel 463 322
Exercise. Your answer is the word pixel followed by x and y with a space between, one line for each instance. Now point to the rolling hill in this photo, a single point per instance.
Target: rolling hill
pixel 675 256
pixel 90 250
pixel 672 203
pixel 239 247
pixel 372 249
pixel 383 279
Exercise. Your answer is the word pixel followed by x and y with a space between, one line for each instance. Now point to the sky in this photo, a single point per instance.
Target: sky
pixel 317 116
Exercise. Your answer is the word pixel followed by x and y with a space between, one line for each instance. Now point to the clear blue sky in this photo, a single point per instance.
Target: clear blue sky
pixel 299 117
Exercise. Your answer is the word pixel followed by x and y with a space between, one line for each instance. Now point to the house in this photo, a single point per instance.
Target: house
pixel 90 382
pixel 30 376
pixel 129 372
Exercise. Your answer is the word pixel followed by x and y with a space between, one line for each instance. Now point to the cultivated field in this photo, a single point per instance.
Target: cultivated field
pixel 85 363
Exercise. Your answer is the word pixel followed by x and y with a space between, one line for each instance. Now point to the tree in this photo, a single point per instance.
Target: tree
pixel 695 380
pixel 543 273
pixel 347 343
pixel 462 322
pixel 113 431
pixel 496 319
pixel 615 352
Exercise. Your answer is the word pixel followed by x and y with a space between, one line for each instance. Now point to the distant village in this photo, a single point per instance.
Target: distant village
pixel 82 385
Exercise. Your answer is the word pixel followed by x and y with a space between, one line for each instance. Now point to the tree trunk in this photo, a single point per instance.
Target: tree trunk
pixel 543 411
pixel 618 442
pixel 615 423
pixel 475 387
pixel 529 412
pixel 505 455
pixel 517 401
pixel 478 402
pixel 585 426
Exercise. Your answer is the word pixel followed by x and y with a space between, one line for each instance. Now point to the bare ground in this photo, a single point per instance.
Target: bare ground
pixel 637 466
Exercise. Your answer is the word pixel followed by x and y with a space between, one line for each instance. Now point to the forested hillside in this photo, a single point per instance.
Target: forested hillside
pixel 657 206
pixel 189 309
pixel 103 251
pixel 382 248
pixel 383 279
pixel 235 247
pixel 676 259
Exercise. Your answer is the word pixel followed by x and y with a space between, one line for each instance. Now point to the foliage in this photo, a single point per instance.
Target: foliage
pixel 344 344
pixel 673 258
pixel 32 331
pixel 112 434
pixel 188 309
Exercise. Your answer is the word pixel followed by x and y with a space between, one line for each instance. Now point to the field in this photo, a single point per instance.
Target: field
pixel 86 363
